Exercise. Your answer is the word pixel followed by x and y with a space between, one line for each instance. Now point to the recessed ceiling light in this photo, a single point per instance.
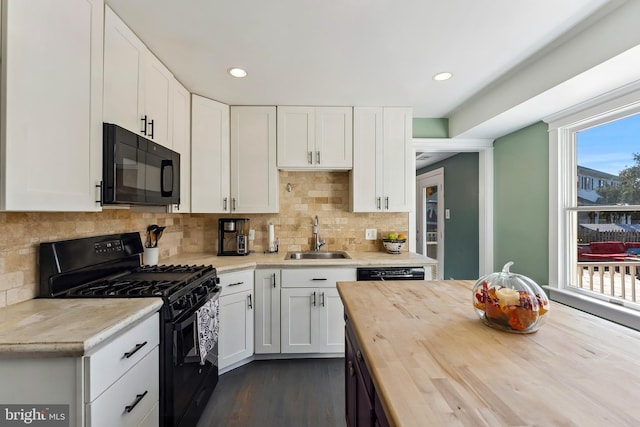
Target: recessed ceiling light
pixel 442 76
pixel 237 72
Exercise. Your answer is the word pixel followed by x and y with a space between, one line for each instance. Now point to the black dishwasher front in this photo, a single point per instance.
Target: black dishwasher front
pixel 389 273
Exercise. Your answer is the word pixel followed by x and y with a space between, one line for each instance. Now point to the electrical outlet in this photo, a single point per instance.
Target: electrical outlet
pixel 370 234
pixel 447 214
pixel 252 234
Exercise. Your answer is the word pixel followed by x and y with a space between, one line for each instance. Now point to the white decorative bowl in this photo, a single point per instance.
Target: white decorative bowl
pixel 393 246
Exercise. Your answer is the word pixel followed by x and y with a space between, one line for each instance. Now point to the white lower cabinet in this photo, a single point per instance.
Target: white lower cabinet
pixel 128 401
pixel 114 385
pixel 312 317
pixel 235 345
pixel 267 314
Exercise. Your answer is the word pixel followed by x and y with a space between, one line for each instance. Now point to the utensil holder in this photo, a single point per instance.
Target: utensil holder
pixel 150 256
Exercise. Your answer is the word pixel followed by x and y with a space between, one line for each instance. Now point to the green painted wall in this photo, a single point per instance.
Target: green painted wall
pixel 430 128
pixel 461 235
pixel 521 202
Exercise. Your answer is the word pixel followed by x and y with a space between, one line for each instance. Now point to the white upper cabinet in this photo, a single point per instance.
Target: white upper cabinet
pixel 317 138
pixel 158 91
pixel 51 117
pixel 383 175
pixel 137 86
pixel 181 141
pixel 233 166
pixel 254 175
pixel 210 161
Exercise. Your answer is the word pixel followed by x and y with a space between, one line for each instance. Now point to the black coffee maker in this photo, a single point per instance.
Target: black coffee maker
pixel 233 236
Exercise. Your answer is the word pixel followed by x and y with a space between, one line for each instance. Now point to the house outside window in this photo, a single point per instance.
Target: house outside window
pixel 594 209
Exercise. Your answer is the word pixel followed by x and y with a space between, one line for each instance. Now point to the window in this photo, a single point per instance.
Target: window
pixel 594 209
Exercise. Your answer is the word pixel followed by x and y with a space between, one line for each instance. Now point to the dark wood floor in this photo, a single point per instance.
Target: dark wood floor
pixel 279 393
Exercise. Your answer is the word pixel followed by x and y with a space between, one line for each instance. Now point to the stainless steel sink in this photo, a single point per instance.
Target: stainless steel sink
pixel 318 255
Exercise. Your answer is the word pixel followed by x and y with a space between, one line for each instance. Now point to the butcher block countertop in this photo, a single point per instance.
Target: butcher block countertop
pixel 67 327
pixel 433 361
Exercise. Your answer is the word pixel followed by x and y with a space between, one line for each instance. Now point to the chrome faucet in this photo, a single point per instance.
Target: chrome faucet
pixel 317 243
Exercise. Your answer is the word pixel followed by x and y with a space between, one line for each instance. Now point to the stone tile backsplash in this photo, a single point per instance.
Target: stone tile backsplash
pixel 325 194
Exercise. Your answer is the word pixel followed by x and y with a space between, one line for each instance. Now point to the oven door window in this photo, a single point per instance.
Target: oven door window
pixel 130 173
pixel 186 341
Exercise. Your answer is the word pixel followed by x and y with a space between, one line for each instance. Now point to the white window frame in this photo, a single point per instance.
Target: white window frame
pixel 563 126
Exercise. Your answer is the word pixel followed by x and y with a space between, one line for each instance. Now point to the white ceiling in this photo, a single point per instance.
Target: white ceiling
pixel 352 52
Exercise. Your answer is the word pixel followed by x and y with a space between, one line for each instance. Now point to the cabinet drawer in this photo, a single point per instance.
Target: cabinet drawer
pixel 115 358
pixel 128 401
pixel 316 277
pixel 238 281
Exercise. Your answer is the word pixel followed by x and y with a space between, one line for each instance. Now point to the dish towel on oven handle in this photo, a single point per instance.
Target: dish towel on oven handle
pixel 208 329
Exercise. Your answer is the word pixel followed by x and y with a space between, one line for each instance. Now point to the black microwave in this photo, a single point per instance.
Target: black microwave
pixel 137 171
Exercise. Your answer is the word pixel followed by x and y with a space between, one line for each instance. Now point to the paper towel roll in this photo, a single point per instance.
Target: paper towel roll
pixel 272 237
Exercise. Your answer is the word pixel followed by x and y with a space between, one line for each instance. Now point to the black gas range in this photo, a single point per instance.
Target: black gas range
pixel 109 267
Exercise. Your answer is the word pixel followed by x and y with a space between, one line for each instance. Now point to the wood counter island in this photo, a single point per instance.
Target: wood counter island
pixel 434 363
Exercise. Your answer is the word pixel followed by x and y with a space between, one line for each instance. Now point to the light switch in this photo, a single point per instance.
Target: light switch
pixel 252 234
pixel 447 214
pixel 371 234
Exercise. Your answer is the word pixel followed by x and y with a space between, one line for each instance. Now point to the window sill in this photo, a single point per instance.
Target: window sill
pixel 617 314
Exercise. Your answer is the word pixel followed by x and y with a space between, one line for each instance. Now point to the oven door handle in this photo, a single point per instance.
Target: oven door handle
pixel 187 318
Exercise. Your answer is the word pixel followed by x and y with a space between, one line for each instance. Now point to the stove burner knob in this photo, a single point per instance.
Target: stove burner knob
pixel 181 303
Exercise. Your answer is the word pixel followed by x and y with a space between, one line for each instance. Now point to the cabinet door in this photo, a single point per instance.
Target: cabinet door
pixel 210 156
pixel 397 155
pixel 236 328
pixel 334 138
pixel 267 314
pixel 366 176
pixel 124 55
pixel 296 137
pixel 330 322
pixel 181 141
pixel 254 175
pixel 158 82
pixel 299 320
pixel 52 60
pixel 382 137
pixel 351 383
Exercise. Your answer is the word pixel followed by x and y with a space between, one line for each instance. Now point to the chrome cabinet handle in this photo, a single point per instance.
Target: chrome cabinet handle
pixel 250 303
pixel 274 279
pixel 235 284
pixel 322 299
pixel 351 370
pixel 139 397
pixel 224 204
pixel 317 157
pixel 151 127
pixel 314 298
pixel 128 354
pixel 310 157
pixel 386 203
pixel 233 204
pixel 144 125
pixel 359 355
pixel 378 203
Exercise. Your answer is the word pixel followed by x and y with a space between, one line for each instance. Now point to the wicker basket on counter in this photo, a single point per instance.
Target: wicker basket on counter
pixel 393 246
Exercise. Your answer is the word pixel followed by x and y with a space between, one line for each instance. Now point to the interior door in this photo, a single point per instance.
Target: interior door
pixel 430 216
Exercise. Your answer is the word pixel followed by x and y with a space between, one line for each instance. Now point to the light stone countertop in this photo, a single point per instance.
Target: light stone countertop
pixel 225 264
pixel 67 327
